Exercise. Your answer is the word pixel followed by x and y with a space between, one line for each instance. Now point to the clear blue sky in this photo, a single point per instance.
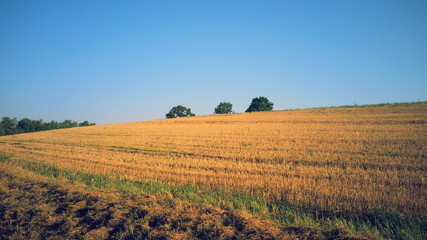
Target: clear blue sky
pixel 122 61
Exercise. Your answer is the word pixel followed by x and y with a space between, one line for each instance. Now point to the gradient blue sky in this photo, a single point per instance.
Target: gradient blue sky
pixel 123 61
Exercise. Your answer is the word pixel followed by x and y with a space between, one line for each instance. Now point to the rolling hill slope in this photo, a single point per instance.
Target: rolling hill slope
pixel 314 173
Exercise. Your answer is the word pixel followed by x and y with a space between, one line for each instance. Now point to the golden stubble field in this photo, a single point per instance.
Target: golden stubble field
pixel 334 159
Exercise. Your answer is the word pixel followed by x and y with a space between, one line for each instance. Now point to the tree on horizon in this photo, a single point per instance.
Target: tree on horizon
pixel 180 111
pixel 260 104
pixel 224 108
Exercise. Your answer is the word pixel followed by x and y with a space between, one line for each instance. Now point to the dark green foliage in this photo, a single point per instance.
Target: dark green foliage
pixel 179 111
pixel 69 124
pixel 26 125
pixel 9 126
pixel 86 123
pixel 54 125
pixel 260 104
pixel 223 108
pixel 9 123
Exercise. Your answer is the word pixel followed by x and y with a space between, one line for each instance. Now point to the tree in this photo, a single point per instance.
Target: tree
pixel 68 124
pixel 9 125
pixel 1 129
pixel 179 111
pixel 223 108
pixel 86 123
pixel 39 125
pixel 26 125
pixel 53 125
pixel 260 104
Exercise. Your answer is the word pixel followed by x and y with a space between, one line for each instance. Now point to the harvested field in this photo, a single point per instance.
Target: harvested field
pixel 33 208
pixel 345 162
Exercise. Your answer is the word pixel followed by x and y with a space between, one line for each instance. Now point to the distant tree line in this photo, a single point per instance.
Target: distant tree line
pixel 9 126
pixel 258 104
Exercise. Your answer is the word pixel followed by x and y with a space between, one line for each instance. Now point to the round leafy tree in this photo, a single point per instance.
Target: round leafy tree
pixel 179 111
pixel 260 104
pixel 223 108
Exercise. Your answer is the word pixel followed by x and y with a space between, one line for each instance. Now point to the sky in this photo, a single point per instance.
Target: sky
pixel 125 61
